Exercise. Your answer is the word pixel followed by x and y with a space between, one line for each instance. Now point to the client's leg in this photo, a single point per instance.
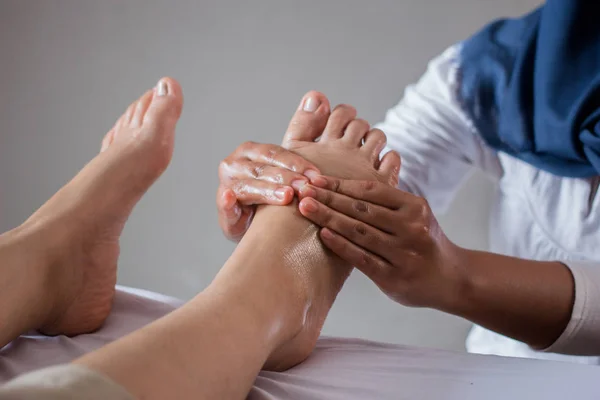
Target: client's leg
pixel 269 301
pixel 58 269
pixel 280 240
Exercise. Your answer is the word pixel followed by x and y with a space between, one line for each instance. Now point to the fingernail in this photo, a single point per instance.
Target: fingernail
pixel 298 184
pixel 327 234
pixel 311 174
pixel 310 104
pixel 281 193
pixel 161 88
pixel 319 181
pixel 307 191
pixel 236 210
pixel 309 205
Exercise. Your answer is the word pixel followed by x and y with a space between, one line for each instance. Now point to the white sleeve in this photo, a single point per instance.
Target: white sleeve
pixel 582 334
pixel 438 144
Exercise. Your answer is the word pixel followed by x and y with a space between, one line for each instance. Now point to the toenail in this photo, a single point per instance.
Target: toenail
pixel 311 174
pixel 298 184
pixel 161 88
pixel 310 104
pixel 281 193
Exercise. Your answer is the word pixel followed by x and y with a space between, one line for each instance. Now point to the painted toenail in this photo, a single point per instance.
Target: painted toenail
pixel 311 174
pixel 310 104
pixel 281 193
pixel 161 88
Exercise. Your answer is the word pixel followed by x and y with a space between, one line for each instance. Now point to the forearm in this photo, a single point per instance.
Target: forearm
pixel 530 301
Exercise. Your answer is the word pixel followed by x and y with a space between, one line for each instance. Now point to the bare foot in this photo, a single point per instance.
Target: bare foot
pixel 306 277
pixel 78 229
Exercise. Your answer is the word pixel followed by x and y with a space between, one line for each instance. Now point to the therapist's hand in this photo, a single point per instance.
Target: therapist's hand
pixel 390 235
pixel 257 174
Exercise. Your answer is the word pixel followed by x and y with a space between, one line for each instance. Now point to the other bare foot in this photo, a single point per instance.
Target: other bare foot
pixel 78 229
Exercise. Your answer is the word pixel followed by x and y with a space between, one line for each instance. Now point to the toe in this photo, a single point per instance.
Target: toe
pixel 356 131
pixel 390 167
pixel 125 118
pixel 338 121
pixel 310 118
pixel 166 103
pixel 107 141
pixel 140 109
pixel 374 143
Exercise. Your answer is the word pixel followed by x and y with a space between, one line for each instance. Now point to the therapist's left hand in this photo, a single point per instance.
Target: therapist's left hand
pixel 390 235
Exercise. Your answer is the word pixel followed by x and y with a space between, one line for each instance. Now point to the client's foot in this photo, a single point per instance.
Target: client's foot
pixel 283 249
pixel 78 230
pixel 348 148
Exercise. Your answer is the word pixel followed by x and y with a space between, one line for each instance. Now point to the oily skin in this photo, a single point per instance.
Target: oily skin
pixel 318 274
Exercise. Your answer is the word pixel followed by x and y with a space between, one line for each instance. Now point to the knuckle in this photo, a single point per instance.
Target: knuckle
pixel 361 207
pixel 246 146
pixel 365 259
pixel 273 153
pixel 367 186
pixel 327 198
pixel 336 185
pixel 360 229
pixel 258 170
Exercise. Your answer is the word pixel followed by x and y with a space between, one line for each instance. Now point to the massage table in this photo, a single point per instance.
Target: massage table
pixel 339 368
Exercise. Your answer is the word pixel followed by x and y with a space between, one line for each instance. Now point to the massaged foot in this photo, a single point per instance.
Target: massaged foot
pixel 78 229
pixel 309 278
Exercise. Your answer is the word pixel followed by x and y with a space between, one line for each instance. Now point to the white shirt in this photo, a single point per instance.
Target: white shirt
pixel 536 215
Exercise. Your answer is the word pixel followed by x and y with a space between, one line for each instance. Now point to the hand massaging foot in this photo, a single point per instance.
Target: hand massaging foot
pixel 285 246
pixel 78 229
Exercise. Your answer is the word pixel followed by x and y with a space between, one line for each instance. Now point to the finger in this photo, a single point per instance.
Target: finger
pixel 372 214
pixel 233 218
pixel 254 191
pixel 371 191
pixel 273 155
pixel 373 266
pixel 359 233
pixel 228 207
pixel 246 169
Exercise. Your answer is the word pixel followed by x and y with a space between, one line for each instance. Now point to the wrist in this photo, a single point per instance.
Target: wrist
pixel 457 280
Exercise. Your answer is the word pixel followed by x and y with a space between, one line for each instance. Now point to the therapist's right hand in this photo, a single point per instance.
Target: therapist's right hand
pixel 256 174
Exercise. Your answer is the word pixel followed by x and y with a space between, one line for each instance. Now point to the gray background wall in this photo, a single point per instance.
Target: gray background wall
pixel 69 68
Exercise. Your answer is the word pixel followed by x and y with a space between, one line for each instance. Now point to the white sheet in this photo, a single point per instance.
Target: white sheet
pixel 339 368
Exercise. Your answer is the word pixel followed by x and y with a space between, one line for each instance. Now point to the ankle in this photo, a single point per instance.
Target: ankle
pixel 27 281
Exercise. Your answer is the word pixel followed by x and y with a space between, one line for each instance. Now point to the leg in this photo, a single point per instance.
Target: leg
pixel 268 303
pixel 58 269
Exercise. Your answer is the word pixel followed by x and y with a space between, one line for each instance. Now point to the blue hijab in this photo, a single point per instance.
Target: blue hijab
pixel 532 86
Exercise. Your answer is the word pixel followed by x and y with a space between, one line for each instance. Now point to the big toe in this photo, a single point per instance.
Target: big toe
pixel 166 104
pixel 310 119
